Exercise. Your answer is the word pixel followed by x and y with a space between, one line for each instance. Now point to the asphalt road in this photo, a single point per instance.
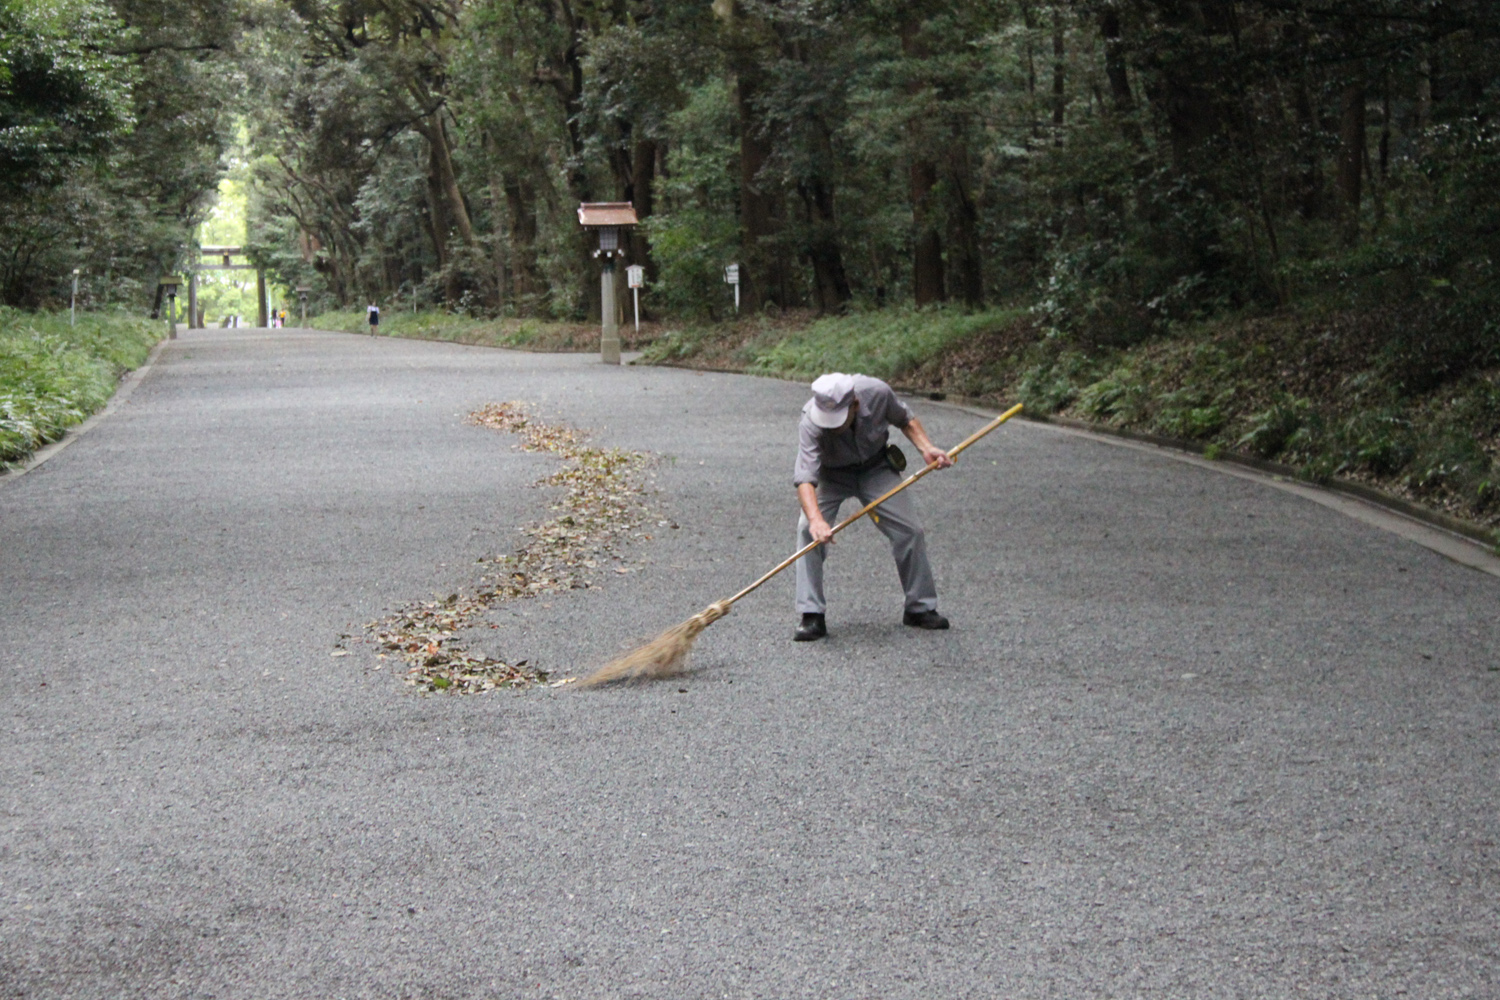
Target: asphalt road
pixel 1190 736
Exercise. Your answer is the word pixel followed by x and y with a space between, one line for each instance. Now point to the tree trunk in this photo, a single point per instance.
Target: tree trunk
pixel 1424 92
pixel 1382 179
pixel 642 194
pixel 521 200
pixel 1122 100
pixel 966 264
pixel 927 244
pixel 1188 87
pixel 1351 156
pixel 454 206
pixel 442 160
pixel 1192 120
pixel 830 281
pixel 498 207
pixel 1028 19
pixel 927 269
pixel 1308 183
pixel 565 73
pixel 1059 70
pixel 437 216
pixel 764 277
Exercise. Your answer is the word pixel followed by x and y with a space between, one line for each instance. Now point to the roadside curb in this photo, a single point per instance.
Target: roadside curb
pixel 1464 543
pixel 1361 491
pixel 1369 494
pixel 122 392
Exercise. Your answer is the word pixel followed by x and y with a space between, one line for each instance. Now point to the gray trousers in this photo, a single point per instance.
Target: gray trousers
pixel 898 522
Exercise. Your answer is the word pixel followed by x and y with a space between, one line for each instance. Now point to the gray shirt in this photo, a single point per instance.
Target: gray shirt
pixel 856 444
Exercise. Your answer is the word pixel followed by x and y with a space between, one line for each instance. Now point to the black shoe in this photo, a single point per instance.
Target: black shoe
pixel 924 619
pixel 813 627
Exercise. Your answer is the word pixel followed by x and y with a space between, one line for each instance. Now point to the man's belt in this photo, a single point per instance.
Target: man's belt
pixel 890 455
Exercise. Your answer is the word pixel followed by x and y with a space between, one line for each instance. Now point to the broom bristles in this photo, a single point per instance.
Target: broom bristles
pixel 664 656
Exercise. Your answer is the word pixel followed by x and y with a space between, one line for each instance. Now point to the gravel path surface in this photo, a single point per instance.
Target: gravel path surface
pixel 1190 736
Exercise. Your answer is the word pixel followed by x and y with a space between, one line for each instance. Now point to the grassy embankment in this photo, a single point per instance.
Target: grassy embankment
pixel 521 334
pixel 1330 394
pixel 52 376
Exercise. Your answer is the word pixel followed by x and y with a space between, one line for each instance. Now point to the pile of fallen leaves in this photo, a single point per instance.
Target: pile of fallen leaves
pixel 602 506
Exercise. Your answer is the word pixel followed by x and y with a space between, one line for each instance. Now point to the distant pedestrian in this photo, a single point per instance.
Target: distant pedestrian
pixel 374 312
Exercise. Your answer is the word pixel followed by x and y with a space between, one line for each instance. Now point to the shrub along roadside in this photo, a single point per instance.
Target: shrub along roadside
pixel 1324 392
pixel 893 344
pixel 521 334
pixel 52 375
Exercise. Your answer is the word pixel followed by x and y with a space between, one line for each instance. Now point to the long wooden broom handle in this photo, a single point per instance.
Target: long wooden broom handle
pixel 1002 418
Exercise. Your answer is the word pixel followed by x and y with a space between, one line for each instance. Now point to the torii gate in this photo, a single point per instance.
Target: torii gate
pixel 263 314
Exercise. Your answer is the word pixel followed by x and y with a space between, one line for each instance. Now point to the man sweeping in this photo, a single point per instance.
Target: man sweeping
pixel 842 452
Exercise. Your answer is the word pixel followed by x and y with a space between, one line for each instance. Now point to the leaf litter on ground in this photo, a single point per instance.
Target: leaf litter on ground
pixel 603 504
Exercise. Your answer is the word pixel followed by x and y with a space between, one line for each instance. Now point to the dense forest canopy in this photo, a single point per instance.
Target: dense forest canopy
pixel 113 125
pixel 1119 164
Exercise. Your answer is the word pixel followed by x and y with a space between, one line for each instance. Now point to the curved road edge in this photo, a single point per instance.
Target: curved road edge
pixel 1460 548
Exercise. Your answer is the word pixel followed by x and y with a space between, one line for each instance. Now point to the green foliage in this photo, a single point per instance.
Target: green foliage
pixel 1378 441
pixel 1054 372
pixel 1117 398
pixel 1271 430
pixel 1049 386
pixel 63 97
pixel 886 344
pixel 1127 167
pixel 53 375
pixel 113 115
pixel 1103 398
pixel 394 322
pixel 686 343
pixel 456 328
pixel 693 240
pixel 1450 460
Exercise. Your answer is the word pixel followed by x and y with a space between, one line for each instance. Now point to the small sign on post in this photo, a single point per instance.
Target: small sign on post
pixel 635 276
pixel 732 277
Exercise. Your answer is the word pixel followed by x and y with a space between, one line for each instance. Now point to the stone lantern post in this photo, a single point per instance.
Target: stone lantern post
pixel 608 217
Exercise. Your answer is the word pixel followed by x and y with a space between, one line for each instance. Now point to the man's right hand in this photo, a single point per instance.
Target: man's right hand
pixel 820 531
pixel 817 524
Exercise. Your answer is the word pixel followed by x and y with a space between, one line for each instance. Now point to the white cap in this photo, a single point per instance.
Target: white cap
pixel 832 394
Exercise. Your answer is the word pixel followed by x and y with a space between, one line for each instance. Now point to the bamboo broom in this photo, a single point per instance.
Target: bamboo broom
pixel 667 654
